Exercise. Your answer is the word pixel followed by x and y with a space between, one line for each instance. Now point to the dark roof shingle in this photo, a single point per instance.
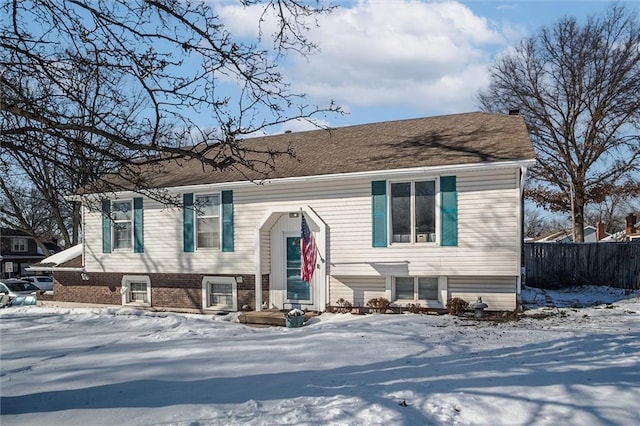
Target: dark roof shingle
pixel 458 139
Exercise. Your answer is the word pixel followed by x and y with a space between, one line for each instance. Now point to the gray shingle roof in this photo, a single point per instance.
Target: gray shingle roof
pixel 458 139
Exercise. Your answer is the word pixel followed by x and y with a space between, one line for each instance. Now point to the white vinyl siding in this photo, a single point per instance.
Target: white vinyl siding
pixel 488 220
pixel 357 290
pixel 499 293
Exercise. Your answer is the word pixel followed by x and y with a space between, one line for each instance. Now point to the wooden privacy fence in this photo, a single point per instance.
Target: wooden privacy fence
pixel 553 265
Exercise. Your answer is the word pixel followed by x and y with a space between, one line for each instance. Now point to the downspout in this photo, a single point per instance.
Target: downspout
pixel 521 277
pixel 82 228
pixel 258 271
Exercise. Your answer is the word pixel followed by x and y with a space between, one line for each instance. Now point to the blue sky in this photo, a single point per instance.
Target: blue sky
pixel 393 59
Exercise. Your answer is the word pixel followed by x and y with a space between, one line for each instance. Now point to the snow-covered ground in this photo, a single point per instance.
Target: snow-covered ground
pixel 574 364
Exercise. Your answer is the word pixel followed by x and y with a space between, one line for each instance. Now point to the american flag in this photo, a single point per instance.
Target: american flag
pixel 307 252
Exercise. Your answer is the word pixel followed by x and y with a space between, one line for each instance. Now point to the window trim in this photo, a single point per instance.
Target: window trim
pixel 125 289
pixel 412 203
pixel 196 216
pixel 206 293
pixel 114 222
pixel 15 246
pixel 416 290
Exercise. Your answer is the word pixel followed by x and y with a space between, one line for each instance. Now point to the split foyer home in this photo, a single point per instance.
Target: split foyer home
pixel 417 211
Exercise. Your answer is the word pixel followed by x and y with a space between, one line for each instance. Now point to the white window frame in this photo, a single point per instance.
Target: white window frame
pixel 19 245
pixel 125 290
pixel 199 216
pixel 412 207
pixel 416 290
pixel 206 293
pixel 115 222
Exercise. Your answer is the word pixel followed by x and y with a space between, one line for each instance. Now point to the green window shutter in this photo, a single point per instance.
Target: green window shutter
pixel 187 222
pixel 138 233
pixel 448 211
pixel 227 220
pixel 106 226
pixel 379 213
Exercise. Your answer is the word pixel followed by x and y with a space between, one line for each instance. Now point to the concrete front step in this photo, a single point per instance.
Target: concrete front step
pixel 271 317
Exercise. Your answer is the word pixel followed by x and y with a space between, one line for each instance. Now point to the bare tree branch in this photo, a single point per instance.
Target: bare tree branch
pixel 577 87
pixel 97 87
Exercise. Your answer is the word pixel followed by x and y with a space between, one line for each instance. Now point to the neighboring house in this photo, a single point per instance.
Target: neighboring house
pixel 632 228
pixel 416 211
pixel 566 235
pixel 18 250
pixel 631 232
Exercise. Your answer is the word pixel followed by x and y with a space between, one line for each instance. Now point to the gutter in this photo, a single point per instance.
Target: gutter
pixel 54 269
pixel 378 174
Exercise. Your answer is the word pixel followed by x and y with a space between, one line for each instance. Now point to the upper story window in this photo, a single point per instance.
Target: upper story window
pixel 19 244
pixel 122 224
pixel 413 212
pixel 207 208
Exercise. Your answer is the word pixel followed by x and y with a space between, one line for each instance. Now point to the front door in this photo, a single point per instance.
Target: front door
pixel 297 290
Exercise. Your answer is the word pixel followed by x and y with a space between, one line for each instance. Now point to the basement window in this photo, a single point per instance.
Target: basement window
pixel 219 294
pixel 415 289
pixel 136 290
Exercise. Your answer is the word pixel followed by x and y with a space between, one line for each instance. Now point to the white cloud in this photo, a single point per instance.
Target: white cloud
pixel 391 53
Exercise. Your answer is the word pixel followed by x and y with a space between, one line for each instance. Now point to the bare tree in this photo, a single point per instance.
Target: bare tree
pixel 577 87
pixel 612 211
pixel 92 87
pixel 23 208
pixel 537 224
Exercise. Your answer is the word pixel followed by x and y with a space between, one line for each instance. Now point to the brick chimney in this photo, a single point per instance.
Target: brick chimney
pixel 631 224
pixel 600 231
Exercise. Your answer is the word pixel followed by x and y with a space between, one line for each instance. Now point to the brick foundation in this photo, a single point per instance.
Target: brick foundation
pixel 174 291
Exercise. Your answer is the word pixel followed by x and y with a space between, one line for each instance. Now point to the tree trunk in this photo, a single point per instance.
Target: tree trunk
pixel 578 213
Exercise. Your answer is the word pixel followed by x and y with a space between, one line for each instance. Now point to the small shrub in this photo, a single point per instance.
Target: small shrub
pixel 344 306
pixel 378 304
pixel 457 306
pixel 414 308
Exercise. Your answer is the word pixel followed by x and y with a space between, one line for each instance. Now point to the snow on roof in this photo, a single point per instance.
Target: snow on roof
pixel 63 256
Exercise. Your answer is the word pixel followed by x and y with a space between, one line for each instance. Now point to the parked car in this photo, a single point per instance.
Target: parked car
pixel 15 287
pixel 43 282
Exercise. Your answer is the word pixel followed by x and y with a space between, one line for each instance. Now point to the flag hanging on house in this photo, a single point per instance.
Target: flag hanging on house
pixel 307 252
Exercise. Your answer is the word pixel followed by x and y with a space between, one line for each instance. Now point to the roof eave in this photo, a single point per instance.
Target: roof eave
pixel 378 174
pixel 54 268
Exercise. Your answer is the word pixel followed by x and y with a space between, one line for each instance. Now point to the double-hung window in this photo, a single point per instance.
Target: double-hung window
pixel 122 225
pixel 413 212
pixel 136 290
pixel 416 288
pixel 207 210
pixel 19 244
pixel 220 293
pixel 138 293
